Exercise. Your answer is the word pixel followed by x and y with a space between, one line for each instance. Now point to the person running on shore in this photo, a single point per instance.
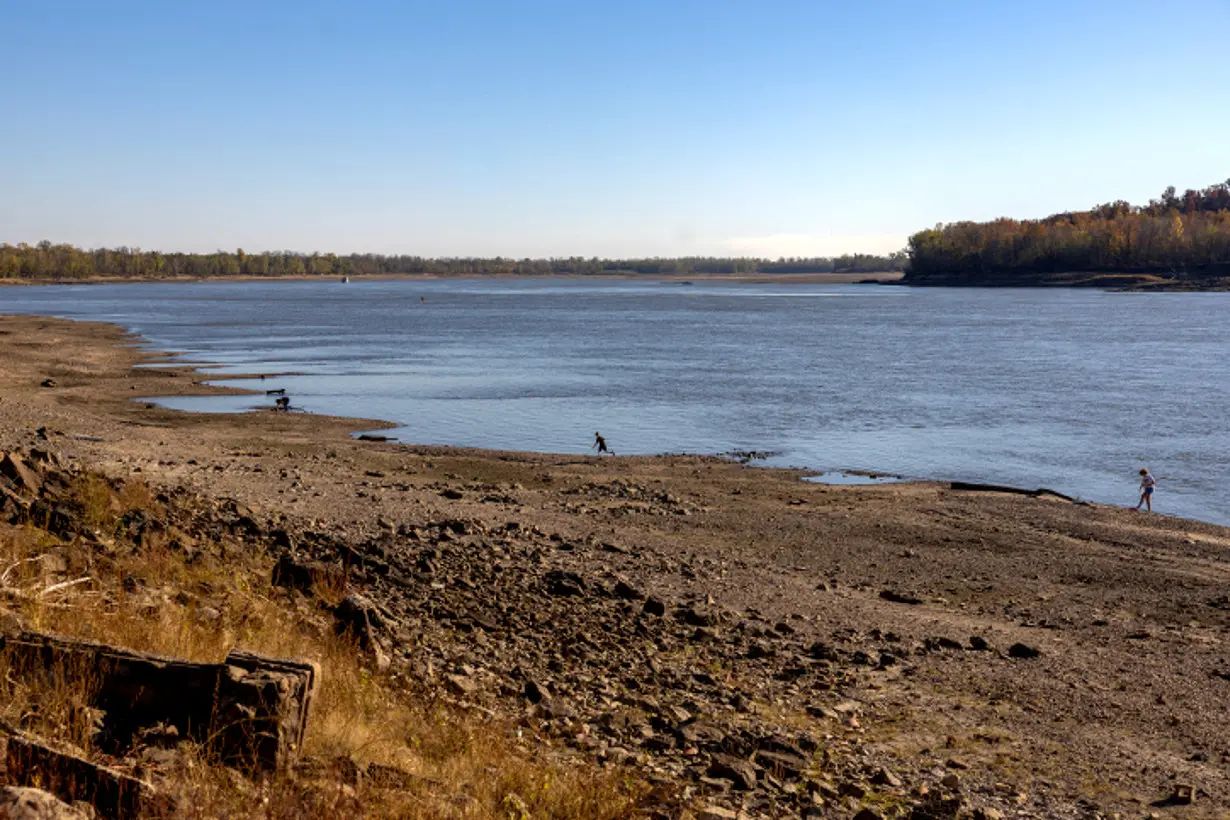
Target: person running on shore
pixel 600 444
pixel 1147 483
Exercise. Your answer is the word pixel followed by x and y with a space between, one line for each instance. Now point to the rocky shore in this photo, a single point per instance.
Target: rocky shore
pixel 743 642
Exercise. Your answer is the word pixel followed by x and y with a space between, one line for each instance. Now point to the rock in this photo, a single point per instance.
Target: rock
pixel 900 597
pixel 678 714
pixel 987 814
pixel 282 539
pixel 883 777
pixel 14 467
pixel 759 649
pixel 49 382
pixel 696 617
pixel 654 607
pixel 452 495
pixel 48 458
pixel 822 651
pixel 462 685
pixel 979 644
pixel 565 584
pixel 1022 651
pixel 18 803
pixel 358 616
pixel 1184 794
pixel 849 788
pixel 627 592
pixel 785 764
pixel 934 806
pixel 868 814
pixel 735 769
pixel 536 692
pixel 13 507
pixel 717 813
pixel 951 782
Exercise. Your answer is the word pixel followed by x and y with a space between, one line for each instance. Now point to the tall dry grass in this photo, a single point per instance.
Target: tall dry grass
pixel 152 597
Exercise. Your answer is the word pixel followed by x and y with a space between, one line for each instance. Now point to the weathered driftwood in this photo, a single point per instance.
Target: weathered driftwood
pixel 30 762
pixel 250 710
pixel 1002 488
pixel 261 709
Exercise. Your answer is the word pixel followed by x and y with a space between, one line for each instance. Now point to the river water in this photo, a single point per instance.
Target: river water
pixel 1069 389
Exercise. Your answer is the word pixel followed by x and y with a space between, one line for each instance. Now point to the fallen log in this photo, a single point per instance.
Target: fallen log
pixel 973 487
pixel 250 710
pixel 31 762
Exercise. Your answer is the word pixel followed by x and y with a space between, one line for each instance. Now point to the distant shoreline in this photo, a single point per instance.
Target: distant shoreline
pixel 1107 280
pixel 891 277
pixel 1111 281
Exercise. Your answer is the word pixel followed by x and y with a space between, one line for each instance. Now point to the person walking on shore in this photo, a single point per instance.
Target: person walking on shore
pixel 1147 482
pixel 600 444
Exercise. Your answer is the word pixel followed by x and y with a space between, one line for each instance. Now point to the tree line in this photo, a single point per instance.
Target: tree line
pixel 66 262
pixel 1178 236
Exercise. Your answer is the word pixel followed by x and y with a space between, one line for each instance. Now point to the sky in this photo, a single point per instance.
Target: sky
pixel 620 129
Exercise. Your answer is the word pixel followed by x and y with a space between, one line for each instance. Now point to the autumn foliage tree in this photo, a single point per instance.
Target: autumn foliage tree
pixel 1185 236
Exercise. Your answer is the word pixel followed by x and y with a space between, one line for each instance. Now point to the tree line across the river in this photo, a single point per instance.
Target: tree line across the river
pixel 1180 237
pixel 47 261
pixel 1175 239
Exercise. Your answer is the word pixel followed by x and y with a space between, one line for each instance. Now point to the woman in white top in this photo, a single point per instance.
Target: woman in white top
pixel 1147 483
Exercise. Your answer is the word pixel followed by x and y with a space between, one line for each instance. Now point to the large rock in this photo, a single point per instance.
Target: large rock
pixel 1023 651
pixel 564 584
pixel 735 769
pixel 20 803
pixel 14 468
pixel 13 507
pixel 693 616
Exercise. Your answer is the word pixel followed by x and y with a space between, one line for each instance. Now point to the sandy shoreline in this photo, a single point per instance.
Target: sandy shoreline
pixel 1126 698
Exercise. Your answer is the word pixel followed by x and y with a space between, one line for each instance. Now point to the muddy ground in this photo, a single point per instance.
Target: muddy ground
pixel 750 640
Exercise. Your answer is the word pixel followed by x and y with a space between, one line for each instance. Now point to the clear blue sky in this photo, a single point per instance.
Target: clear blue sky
pixel 621 128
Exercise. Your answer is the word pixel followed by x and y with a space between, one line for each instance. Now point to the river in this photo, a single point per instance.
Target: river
pixel 1069 389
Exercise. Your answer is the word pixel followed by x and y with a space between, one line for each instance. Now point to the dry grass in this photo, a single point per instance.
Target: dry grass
pixel 154 598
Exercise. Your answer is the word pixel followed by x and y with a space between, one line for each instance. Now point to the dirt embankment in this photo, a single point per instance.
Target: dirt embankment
pixel 746 640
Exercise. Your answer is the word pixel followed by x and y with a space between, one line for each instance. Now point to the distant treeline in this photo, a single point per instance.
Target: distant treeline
pixel 48 261
pixel 1178 236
